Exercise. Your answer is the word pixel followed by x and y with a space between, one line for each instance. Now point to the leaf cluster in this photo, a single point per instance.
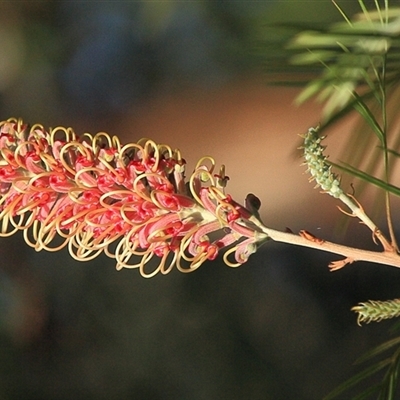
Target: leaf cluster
pixel 354 67
pixel 351 55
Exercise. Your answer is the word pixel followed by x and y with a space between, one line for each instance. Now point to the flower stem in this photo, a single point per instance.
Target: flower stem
pixel 386 257
pixel 359 212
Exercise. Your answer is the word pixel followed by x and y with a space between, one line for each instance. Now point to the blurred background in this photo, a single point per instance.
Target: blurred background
pixel 192 75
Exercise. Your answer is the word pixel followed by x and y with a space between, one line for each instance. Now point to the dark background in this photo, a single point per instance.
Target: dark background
pixel 280 326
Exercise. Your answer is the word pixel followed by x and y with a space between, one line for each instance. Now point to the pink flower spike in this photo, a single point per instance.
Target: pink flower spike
pixel 129 201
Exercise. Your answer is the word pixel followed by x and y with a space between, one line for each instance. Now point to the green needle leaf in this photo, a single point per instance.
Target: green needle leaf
pixel 366 113
pixel 358 378
pixel 366 177
pixel 378 350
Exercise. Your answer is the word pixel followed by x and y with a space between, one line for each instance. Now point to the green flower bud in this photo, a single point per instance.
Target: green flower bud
pixel 318 167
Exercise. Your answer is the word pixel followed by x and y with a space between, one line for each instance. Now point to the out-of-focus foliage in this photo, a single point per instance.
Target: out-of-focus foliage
pixel 275 329
pixel 66 59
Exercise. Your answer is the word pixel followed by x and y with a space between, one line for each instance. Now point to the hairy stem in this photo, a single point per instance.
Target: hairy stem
pixel 359 212
pixel 351 253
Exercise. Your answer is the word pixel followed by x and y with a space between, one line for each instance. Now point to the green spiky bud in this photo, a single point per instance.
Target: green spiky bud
pixel 317 165
pixel 373 310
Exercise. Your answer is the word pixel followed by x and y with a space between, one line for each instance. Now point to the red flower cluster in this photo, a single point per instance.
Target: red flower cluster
pixel 93 194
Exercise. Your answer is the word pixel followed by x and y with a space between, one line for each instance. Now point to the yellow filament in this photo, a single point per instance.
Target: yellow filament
pixel 48 226
pixel 24 221
pixel 75 193
pixel 31 206
pixel 81 255
pixel 185 244
pixel 68 134
pixel 20 124
pixel 191 183
pixel 77 216
pixel 155 201
pixel 165 148
pixel 147 150
pixel 177 155
pixel 116 144
pixel 40 128
pixel 159 236
pixel 217 194
pixel 71 231
pixel 108 166
pixel 123 252
pixel 146 256
pixel 79 147
pixel 34 231
pixel 91 171
pixel 49 161
pixel 24 188
pixel 138 191
pixel 97 142
pixel 116 197
pixel 5 225
pixel 92 213
pixel 9 209
pixel 126 208
pixel 192 266
pixel 227 254
pixel 109 253
pixel 126 241
pixel 132 246
pixel 145 260
pixel 13 121
pixel 17 151
pixel 31 187
pixel 87 241
pixel 6 155
pixel 127 147
pixel 165 271
pixel 160 268
pixel 99 241
pixel 200 164
pixel 223 206
pixel 43 238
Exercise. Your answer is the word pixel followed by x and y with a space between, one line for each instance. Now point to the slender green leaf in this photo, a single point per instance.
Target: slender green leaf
pixel 392 384
pixel 368 392
pixel 390 381
pixel 368 178
pixel 379 349
pixel 311 89
pixel 344 15
pixel 369 118
pixel 395 327
pixel 378 9
pixel 339 115
pixel 358 378
pixel 364 9
pixel 392 152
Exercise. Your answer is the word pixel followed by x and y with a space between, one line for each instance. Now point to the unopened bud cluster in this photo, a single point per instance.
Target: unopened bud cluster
pixel 317 165
pixel 377 310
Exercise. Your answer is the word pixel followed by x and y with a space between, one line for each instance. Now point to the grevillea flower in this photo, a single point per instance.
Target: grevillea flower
pixel 94 195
